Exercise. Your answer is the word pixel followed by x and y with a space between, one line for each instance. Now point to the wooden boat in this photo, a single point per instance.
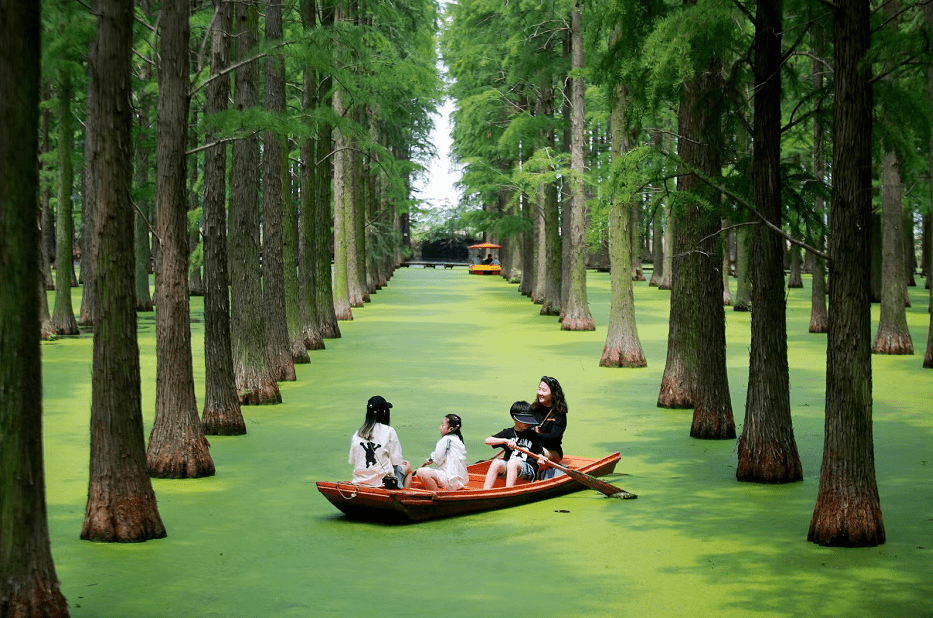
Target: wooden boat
pixel 418 504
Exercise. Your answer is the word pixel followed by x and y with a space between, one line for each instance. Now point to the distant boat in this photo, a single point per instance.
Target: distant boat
pixel 477 265
pixel 416 504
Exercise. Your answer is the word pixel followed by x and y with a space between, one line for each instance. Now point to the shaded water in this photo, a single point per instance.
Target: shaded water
pixel 258 540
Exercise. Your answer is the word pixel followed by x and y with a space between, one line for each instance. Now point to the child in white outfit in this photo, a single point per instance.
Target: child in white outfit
pixel 450 458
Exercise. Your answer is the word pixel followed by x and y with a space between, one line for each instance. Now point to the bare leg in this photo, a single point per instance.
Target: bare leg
pixel 406 468
pixel 495 469
pixel 513 468
pixel 428 478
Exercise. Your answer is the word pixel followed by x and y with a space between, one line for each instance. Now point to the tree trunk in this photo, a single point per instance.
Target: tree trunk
pixel 819 318
pixel 177 446
pixel 767 451
pixel 539 245
pixel 28 585
pixel 634 213
pixel 622 347
pixel 576 313
pixel 657 245
pixel 254 380
pixel 742 301
pixel 222 414
pixel 195 275
pixel 63 317
pixel 89 209
pixel 274 166
pixel 343 219
pixel 325 222
pixel 47 216
pixel 726 264
pixel 848 509
pixel 795 277
pixel 143 206
pixel 893 336
pixel 121 504
pixel 666 281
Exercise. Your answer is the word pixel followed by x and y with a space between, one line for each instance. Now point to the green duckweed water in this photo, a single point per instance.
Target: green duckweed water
pixel 258 539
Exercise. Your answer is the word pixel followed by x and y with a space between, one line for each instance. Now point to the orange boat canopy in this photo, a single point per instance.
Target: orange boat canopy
pixel 485 245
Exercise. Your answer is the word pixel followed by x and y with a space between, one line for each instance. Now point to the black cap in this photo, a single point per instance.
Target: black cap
pixel 378 403
pixel 527 419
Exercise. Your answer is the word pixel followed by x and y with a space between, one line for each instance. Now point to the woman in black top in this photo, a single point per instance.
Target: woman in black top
pixel 550 410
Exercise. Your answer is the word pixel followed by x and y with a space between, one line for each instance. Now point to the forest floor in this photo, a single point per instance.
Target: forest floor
pixel 258 540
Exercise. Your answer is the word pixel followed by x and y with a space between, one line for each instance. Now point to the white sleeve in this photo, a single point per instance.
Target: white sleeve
pixel 394 448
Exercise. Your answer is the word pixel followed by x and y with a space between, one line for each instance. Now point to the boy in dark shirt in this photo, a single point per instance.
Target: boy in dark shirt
pixel 515 465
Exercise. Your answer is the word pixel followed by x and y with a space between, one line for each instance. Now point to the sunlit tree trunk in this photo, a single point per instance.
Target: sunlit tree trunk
pixel 622 347
pixel 575 314
pixel 28 584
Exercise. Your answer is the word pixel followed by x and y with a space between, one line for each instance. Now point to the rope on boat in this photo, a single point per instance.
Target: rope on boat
pixel 351 496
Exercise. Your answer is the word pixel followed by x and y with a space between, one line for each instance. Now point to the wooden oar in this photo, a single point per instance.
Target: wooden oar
pixel 590 481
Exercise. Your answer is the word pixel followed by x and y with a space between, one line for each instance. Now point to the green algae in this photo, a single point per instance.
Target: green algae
pixel 258 540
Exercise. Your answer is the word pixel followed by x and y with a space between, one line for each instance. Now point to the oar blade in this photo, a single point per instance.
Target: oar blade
pixel 601 486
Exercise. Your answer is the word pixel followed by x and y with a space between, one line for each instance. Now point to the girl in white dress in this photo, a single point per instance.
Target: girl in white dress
pixel 449 457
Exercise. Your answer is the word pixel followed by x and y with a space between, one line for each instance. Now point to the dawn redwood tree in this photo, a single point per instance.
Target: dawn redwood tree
pixel 622 347
pixel 848 510
pixel 343 220
pixel 121 505
pixel 575 313
pixel 701 147
pixel 318 228
pixel 767 451
pixel 143 149
pixel 893 335
pixel 63 316
pixel 927 236
pixel 28 584
pixel 819 317
pixel 254 380
pixel 221 414
pixel 742 300
pixel 274 163
pixel 177 446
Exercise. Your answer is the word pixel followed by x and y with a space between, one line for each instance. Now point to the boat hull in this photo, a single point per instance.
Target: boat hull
pixel 367 503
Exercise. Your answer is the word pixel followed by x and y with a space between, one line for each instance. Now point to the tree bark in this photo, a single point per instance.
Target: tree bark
pixel 143 206
pixel 221 414
pixel 121 504
pixel 63 317
pixel 819 317
pixel 767 451
pixel 848 510
pixel 893 335
pixel 622 347
pixel 177 446
pixel 657 246
pixel 575 314
pixel 254 380
pixel 28 585
pixel 343 219
pixel 274 166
